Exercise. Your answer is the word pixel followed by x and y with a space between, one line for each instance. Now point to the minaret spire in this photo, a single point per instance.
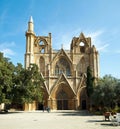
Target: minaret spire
pixel 31 19
pixel 30 25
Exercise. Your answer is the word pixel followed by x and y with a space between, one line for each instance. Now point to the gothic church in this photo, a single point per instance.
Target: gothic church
pixel 64 71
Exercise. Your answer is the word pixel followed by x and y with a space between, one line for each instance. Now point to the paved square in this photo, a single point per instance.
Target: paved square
pixel 53 120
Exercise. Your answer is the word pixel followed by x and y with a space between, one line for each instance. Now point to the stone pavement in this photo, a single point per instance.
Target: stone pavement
pixel 53 120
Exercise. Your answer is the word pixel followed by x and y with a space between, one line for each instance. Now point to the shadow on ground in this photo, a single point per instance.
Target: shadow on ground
pixel 13 112
pixel 74 113
pixel 101 122
pixel 107 124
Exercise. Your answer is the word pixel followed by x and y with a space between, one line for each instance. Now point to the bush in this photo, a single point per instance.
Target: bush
pixel 117 109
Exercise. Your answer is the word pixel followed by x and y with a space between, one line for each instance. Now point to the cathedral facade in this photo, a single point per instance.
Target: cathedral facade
pixel 64 71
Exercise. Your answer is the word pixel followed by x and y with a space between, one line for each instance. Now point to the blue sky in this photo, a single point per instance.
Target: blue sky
pixel 65 19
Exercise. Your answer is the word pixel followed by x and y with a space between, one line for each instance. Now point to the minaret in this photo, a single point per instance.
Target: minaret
pixel 30 36
pixel 30 25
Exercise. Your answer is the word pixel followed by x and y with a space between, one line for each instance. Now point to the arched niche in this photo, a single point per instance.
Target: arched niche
pixel 42 65
pixel 81 66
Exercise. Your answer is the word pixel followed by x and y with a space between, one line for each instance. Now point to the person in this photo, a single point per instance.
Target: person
pixel 43 108
pixel 48 109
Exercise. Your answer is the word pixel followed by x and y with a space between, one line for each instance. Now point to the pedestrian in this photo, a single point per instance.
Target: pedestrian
pixel 48 109
pixel 43 108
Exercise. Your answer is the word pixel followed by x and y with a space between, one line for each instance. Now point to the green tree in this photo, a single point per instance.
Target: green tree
pixel 104 93
pixel 6 75
pixel 89 82
pixel 18 89
pixel 37 82
pixel 27 84
pixel 117 91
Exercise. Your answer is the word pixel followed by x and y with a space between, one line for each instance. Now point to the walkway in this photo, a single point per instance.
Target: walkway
pixel 53 120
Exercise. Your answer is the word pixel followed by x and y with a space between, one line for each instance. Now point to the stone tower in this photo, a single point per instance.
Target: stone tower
pixel 64 71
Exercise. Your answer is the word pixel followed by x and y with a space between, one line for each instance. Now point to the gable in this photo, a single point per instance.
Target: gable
pixel 61 80
pixel 61 53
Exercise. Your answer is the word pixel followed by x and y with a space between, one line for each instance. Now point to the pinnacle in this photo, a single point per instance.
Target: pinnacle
pixel 31 19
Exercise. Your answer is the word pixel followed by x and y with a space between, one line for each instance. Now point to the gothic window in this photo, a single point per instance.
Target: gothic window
pixel 56 70
pixel 42 65
pixel 42 50
pixel 67 71
pixel 62 66
pixel 82 47
pixel 41 43
pixel 82 44
pixel 42 46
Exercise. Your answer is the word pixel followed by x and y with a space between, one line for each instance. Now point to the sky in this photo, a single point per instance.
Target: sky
pixel 64 19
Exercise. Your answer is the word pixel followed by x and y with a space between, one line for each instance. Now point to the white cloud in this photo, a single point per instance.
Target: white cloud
pixel 8 52
pixel 64 38
pixel 102 48
pixel 97 40
pixel 6 48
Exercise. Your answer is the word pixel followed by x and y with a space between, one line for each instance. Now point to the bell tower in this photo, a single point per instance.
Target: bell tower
pixel 30 36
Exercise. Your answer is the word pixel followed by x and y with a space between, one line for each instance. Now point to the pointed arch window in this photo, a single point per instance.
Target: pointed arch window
pixel 42 50
pixel 62 66
pixel 42 46
pixel 41 43
pixel 82 47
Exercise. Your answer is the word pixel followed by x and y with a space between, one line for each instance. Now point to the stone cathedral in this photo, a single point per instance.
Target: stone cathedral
pixel 64 71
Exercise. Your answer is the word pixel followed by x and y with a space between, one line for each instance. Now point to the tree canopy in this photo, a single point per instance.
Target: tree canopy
pixel 6 75
pixel 89 82
pixel 19 85
pixel 107 92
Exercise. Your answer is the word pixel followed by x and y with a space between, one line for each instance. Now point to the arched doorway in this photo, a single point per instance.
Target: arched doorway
pixel 83 99
pixel 84 105
pixel 62 100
